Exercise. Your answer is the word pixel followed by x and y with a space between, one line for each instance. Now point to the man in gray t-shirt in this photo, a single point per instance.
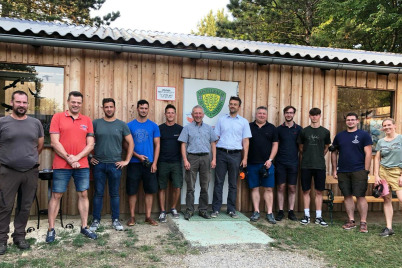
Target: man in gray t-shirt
pixel 21 141
pixel 110 133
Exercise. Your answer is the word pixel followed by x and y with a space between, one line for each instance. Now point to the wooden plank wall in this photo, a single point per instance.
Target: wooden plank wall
pixel 129 77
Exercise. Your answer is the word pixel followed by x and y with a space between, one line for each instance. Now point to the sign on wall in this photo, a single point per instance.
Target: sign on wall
pixel 166 93
pixel 213 96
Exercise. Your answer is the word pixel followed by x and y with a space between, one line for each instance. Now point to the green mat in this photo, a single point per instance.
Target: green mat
pixel 222 217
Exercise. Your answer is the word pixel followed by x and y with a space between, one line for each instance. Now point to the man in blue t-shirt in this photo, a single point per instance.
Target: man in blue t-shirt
pixel 352 169
pixel 143 164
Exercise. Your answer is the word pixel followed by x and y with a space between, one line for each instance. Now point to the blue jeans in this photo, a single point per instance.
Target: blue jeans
pixel 61 178
pixel 113 174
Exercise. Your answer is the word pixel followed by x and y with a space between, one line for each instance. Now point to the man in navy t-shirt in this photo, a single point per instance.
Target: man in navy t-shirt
pixel 352 168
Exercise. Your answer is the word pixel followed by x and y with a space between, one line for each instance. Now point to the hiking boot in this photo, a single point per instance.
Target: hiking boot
pixel 363 227
pixel 280 215
pixel 151 221
pixel 162 216
pixel 255 217
pixel 117 225
pixel 292 216
pixel 214 214
pixel 204 214
pixel 50 236
pixel 386 232
pixel 305 220
pixel 94 225
pixel 3 248
pixel 350 224
pixel 88 233
pixel 22 244
pixel 270 218
pixel 188 215
pixel 175 215
pixel 321 222
pixel 233 214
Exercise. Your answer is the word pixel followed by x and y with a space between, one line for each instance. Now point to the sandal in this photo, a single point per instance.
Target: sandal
pixel 131 222
pixel 151 221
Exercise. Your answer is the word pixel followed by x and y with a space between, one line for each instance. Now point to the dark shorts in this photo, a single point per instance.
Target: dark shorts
pixel 173 171
pixel 254 178
pixel 286 174
pixel 319 179
pixel 353 183
pixel 137 172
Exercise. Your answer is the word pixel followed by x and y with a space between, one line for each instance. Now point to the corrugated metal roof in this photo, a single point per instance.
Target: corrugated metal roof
pixel 114 35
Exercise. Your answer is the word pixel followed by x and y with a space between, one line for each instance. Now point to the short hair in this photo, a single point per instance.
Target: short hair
pixel 197 107
pixel 388 119
pixel 142 102
pixel 170 106
pixel 287 108
pixel 353 114
pixel 314 111
pixel 75 94
pixel 236 99
pixel 106 100
pixel 19 92
pixel 262 108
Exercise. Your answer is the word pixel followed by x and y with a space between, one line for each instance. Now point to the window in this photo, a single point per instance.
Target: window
pixel 372 106
pixel 44 86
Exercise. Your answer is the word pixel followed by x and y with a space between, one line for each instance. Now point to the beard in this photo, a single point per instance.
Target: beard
pixel 289 120
pixel 109 116
pixel 18 113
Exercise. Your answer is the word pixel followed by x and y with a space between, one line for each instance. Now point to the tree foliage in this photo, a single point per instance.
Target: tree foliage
pixel 71 11
pixel 367 24
pixel 208 25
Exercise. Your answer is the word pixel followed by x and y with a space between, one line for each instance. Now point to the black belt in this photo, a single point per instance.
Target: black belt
pixel 35 166
pixel 199 154
pixel 228 151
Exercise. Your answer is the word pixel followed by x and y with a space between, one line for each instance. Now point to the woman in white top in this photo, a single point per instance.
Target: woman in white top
pixel 388 166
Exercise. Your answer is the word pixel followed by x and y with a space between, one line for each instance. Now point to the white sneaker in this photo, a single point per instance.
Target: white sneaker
pixel 117 225
pixel 94 225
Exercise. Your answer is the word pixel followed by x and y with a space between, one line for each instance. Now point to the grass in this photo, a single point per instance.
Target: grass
pixel 339 247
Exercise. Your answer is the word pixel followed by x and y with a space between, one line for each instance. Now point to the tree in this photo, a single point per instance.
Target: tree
pixel 70 11
pixel 208 25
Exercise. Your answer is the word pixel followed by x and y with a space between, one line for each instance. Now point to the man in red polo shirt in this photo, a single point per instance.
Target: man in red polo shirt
pixel 72 139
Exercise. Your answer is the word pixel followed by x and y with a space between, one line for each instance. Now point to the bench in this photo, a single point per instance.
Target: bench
pixel 330 199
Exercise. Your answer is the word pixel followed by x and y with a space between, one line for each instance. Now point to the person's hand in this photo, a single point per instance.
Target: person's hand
pixel 400 181
pixel 243 163
pixel 94 161
pixel 187 165
pixel 377 180
pixel 154 168
pixel 121 164
pixel 335 174
pixel 72 158
pixel 268 164
pixel 142 158
pixel 213 163
pixel 76 165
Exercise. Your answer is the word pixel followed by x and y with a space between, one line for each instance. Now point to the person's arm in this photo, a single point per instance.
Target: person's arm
pixel 157 145
pixel 41 141
pixel 58 147
pixel 326 149
pixel 129 151
pixel 377 159
pixel 274 151
pixel 334 162
pixel 245 143
pixel 368 150
pixel 213 150
pixel 85 152
pixel 184 155
pixel 300 153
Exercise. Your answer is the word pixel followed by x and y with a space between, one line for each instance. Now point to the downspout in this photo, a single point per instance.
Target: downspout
pixel 194 54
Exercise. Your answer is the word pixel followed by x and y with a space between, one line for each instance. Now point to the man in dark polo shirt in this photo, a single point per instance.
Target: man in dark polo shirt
pixel 169 164
pixel 261 172
pixel 286 162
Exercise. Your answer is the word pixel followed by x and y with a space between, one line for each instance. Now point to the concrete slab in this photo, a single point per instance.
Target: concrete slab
pixel 212 233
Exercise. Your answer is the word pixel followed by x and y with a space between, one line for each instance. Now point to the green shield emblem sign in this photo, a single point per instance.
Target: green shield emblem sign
pixel 212 100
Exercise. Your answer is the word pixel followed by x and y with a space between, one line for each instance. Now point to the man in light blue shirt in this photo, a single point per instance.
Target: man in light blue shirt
pixel 234 133
pixel 198 139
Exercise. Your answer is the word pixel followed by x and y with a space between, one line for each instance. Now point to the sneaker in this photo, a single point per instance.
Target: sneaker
pixel 255 216
pixel 270 218
pixel 233 214
pixel 204 214
pixel 94 225
pixel 321 222
pixel 3 248
pixel 174 213
pixel 50 236
pixel 214 214
pixel 363 227
pixel 162 216
pixel 22 244
pixel 305 220
pixel 151 221
pixel 386 232
pixel 292 216
pixel 117 225
pixel 349 224
pixel 188 215
pixel 88 233
pixel 280 215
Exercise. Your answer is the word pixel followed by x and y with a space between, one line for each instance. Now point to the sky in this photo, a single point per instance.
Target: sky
pixel 175 16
